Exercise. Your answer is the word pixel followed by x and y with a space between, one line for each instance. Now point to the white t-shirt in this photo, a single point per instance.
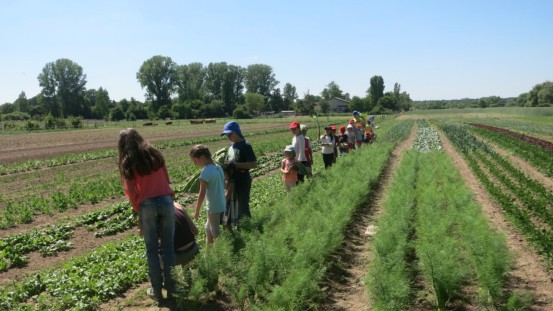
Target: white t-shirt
pixel 327 149
pixel 299 144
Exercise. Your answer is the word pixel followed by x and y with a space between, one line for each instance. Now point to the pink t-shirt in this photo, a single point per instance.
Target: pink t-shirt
pixel 149 186
pixel 292 175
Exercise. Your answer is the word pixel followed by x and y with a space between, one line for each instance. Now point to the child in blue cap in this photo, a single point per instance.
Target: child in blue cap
pixel 241 159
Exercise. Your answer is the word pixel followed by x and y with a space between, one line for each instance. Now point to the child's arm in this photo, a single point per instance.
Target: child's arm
pixel 201 198
pixel 283 168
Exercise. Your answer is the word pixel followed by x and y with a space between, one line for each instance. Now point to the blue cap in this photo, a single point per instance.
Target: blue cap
pixel 230 127
pixel 355 112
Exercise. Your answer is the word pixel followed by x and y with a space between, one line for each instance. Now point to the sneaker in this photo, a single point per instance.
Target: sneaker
pixel 153 295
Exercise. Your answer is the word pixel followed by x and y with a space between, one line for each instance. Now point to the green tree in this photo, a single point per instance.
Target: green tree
pixel 356 103
pixel 159 76
pixel 181 110
pixel 233 87
pixel 276 102
pixel 255 102
pixel 36 106
pixel 332 90
pixel 63 82
pixel 307 103
pixel 190 81
pixel 376 90
pixel 21 103
pixel 289 96
pixel 540 95
pixel 405 101
pixel 117 114
pixel 214 109
pixel 325 106
pixel 387 102
pixel 102 104
pixel 260 79
pixel 214 80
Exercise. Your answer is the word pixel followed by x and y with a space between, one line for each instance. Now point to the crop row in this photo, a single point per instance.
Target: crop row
pixel 539 157
pixel 426 139
pixel 47 241
pixel 525 202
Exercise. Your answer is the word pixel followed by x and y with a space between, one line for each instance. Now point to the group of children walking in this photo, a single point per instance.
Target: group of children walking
pixel 226 192
pixel 352 136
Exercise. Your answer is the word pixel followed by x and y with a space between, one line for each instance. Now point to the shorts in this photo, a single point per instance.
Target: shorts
pixel 213 224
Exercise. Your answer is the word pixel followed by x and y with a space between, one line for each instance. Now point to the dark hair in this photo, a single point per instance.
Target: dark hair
pixel 200 150
pixel 137 156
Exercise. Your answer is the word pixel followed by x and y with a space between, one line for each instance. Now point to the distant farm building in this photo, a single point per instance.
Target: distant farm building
pixel 336 105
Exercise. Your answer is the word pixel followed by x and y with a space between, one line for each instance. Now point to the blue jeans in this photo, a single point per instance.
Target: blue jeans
pixel 158 222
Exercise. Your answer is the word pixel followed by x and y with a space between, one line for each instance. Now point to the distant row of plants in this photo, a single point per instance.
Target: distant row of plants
pixel 426 139
pixel 526 202
pixel 102 154
pixel 47 122
pixel 539 157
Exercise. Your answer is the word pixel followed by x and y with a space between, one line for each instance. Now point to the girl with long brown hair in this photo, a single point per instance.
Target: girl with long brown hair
pixel 146 183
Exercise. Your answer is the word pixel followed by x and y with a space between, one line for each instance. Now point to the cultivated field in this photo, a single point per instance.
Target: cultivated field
pixel 446 210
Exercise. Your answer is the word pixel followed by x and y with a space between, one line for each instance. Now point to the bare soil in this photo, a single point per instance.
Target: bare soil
pixel 345 284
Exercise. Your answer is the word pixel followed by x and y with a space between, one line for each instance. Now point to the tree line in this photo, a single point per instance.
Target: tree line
pixel 187 91
pixel 541 95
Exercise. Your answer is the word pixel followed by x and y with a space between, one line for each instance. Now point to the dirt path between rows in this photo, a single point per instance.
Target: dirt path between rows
pixel 529 273
pixel 346 282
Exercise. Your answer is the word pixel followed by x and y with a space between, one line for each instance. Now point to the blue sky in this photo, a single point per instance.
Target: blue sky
pixel 434 49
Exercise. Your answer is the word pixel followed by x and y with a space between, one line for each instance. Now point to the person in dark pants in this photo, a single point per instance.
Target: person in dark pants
pixel 328 142
pixel 240 160
pixel 298 141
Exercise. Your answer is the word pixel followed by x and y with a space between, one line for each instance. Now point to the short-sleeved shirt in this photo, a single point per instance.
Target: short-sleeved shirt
pixel 215 193
pixel 299 145
pixel 326 149
pixel 241 152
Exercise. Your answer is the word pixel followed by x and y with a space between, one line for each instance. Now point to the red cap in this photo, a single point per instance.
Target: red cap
pixel 351 121
pixel 333 127
pixel 294 125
